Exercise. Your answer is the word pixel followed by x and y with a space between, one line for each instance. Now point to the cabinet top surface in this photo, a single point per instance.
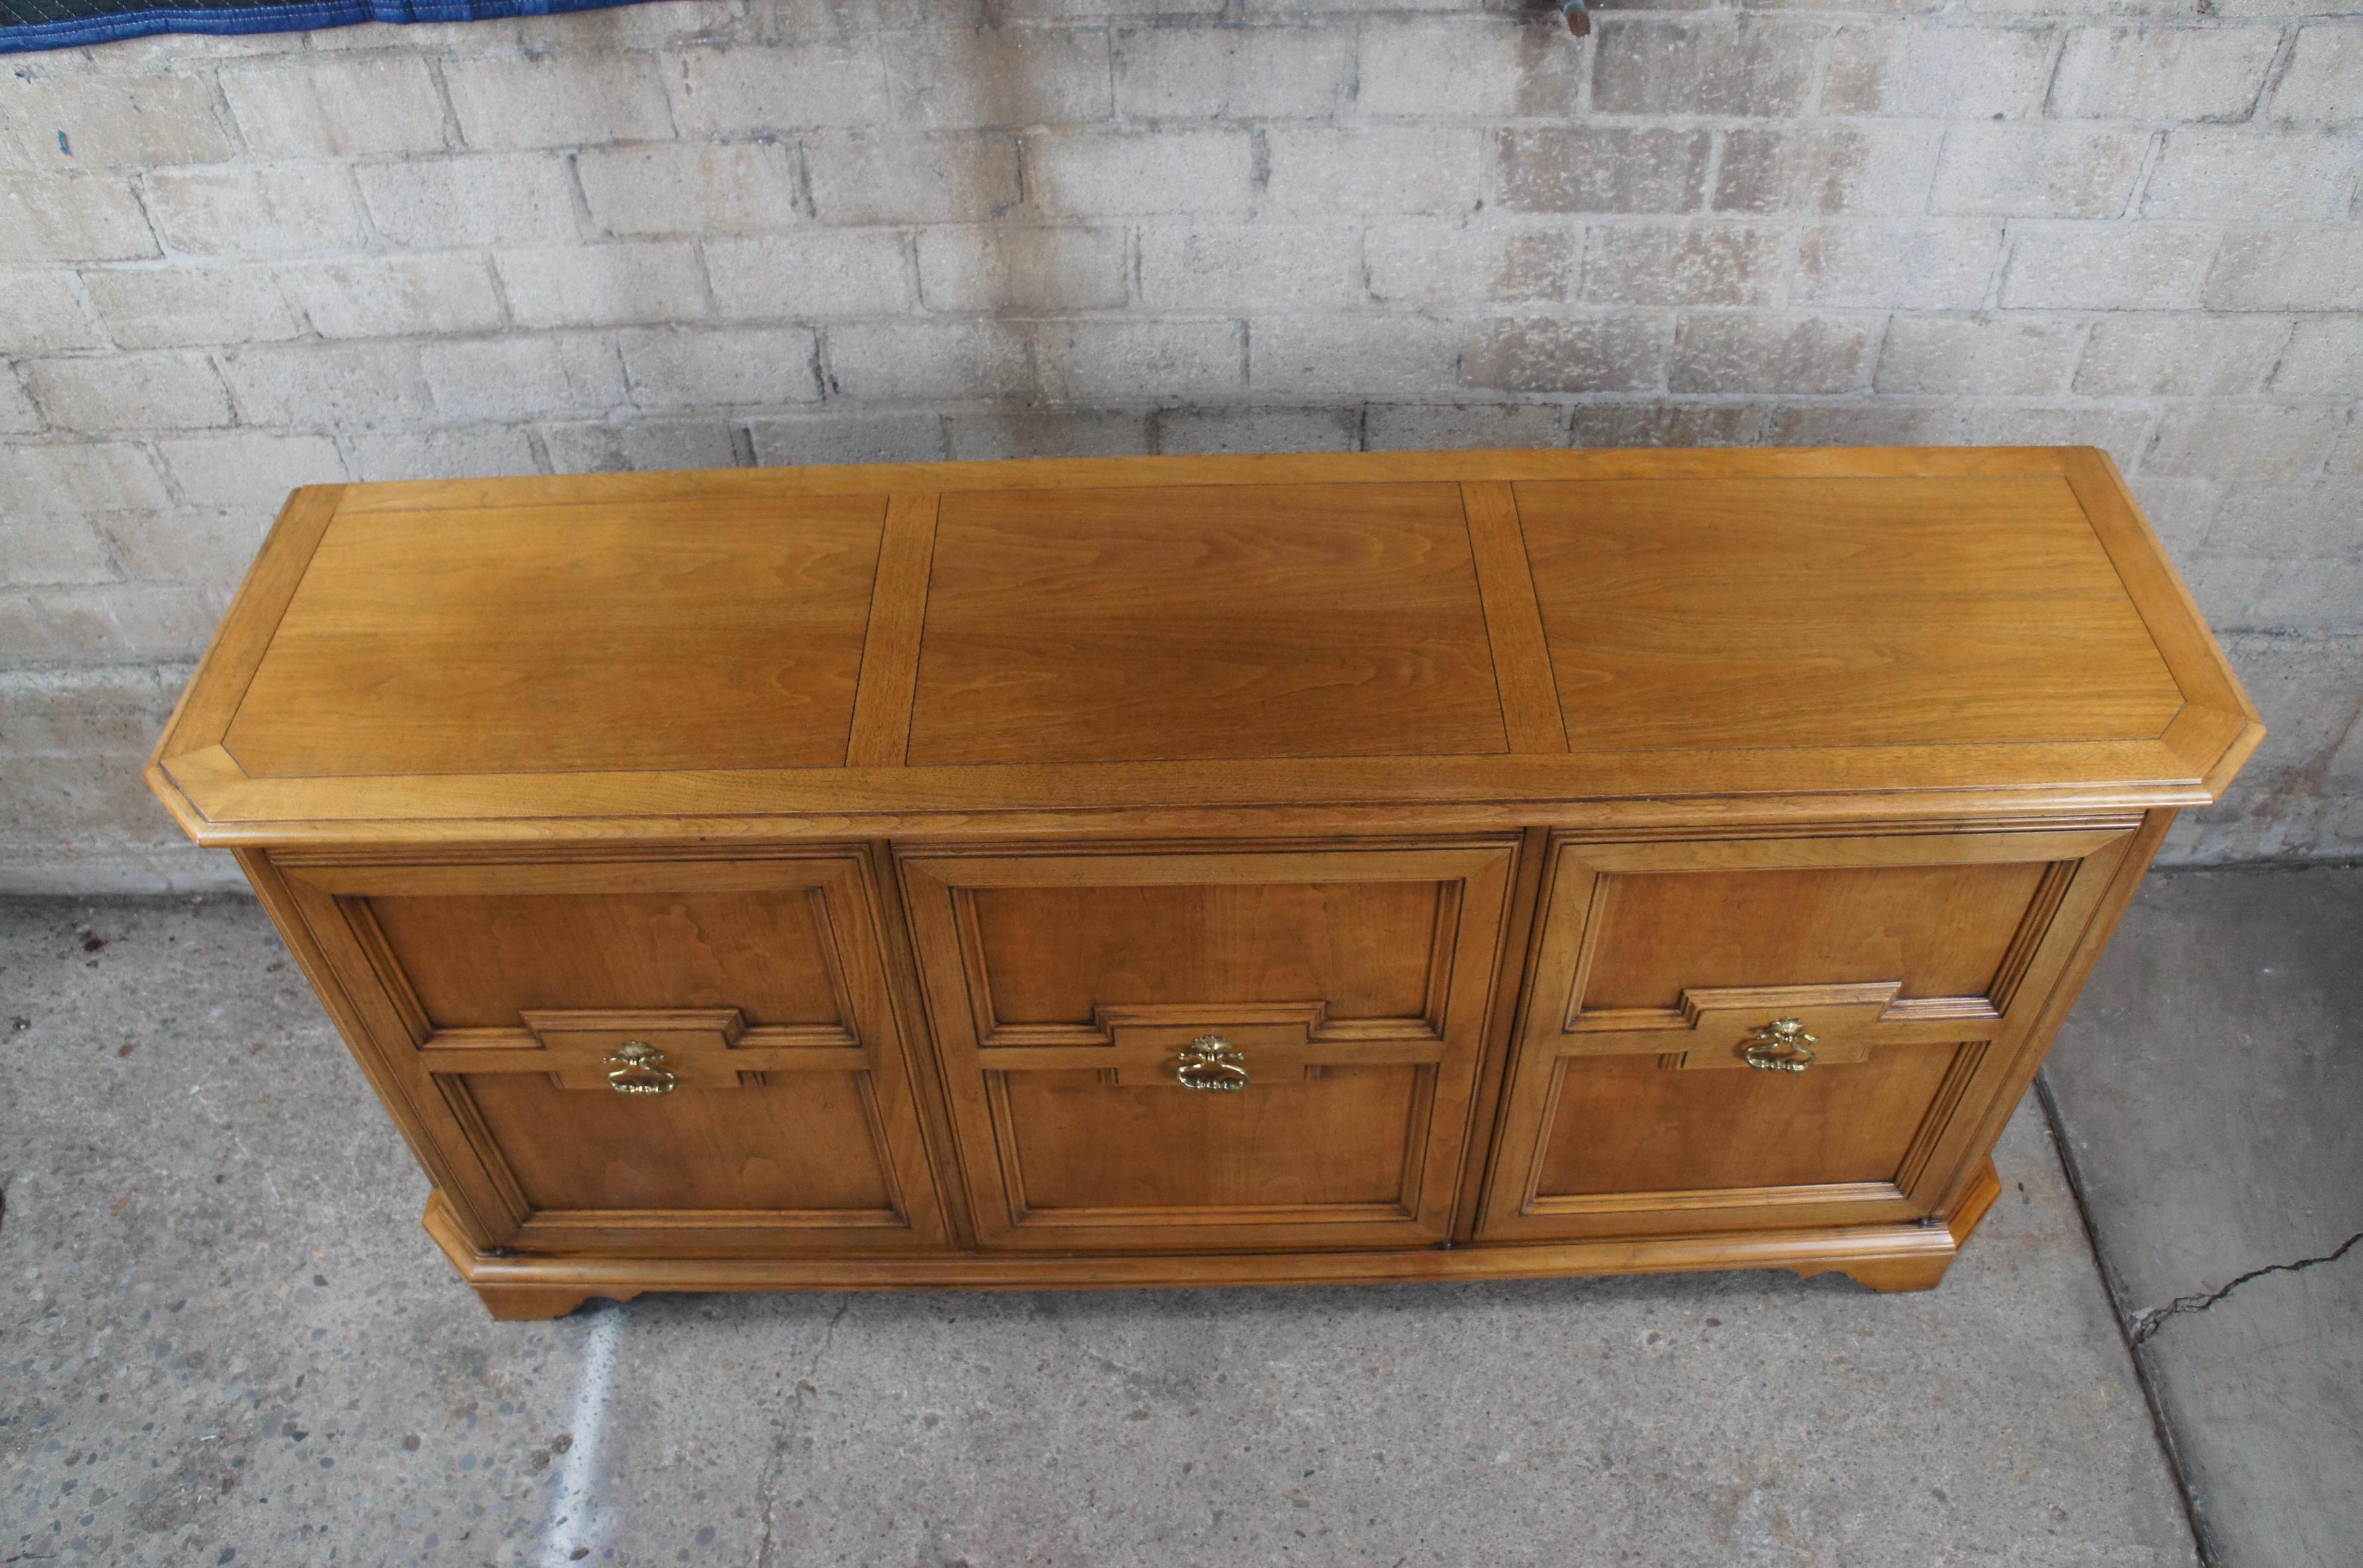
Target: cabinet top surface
pixel 1146 643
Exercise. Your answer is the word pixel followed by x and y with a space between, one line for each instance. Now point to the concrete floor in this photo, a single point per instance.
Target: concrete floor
pixel 2211 1087
pixel 225 1340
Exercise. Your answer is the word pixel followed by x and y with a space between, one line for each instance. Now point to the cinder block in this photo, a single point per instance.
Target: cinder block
pixel 1917 266
pixel 1484 67
pixel 1375 171
pixel 1091 10
pixel 1137 361
pixel 482 199
pixel 1050 270
pixel 2037 170
pixel 395 296
pixel 129 392
pixel 1400 357
pixel 52 803
pixel 116 122
pixel 1933 72
pixel 2318 86
pixel 1254 428
pixel 1656 423
pixel 1754 352
pixel 2325 359
pixel 945 78
pixel 1723 65
pixel 337 108
pixel 1559 170
pixel 819 272
pixel 1452 264
pixel 1956 422
pixel 249 471
pixel 1205 171
pixel 1231 72
pixel 2243 441
pixel 466 451
pixel 1995 356
pixel 696 22
pixel 329 386
pixel 2312 518
pixel 946 177
pixel 2288 268
pixel 2241 173
pixel 53 217
pixel 44 478
pixel 1566 354
pixel 673 369
pixel 1251 267
pixel 1051 431
pixel 2321 594
pixel 17 414
pixel 557 100
pixel 690 189
pixel 1461 426
pixel 801 440
pixel 2162 73
pixel 43 552
pixel 117 620
pixel 282 209
pixel 640 446
pixel 2182 355
pixel 524 378
pixel 2106 266
pixel 898 361
pixel 208 548
pixel 1730 264
pixel 86 710
pixel 740 89
pixel 47 312
pixel 604 285
pixel 191 304
pixel 2346 457
pixel 2178 509
pixel 1882 169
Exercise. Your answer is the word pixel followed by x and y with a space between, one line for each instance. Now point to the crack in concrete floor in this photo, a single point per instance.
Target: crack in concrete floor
pixel 2150 1320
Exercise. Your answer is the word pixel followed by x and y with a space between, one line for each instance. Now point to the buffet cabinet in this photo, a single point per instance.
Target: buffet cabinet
pixel 1188 871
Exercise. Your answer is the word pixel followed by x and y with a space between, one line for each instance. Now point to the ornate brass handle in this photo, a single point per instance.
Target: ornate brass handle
pixel 1212 1063
pixel 638 1067
pixel 1781 1046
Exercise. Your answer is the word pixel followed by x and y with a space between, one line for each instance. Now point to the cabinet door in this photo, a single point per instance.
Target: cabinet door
pixel 655 1057
pixel 1218 1049
pixel 1750 1034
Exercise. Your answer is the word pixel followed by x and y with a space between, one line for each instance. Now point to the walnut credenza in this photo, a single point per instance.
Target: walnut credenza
pixel 1201 870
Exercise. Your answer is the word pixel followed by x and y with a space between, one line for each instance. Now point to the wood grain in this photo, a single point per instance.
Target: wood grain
pixel 1190 623
pixel 1855 611
pixel 1486 805
pixel 687 635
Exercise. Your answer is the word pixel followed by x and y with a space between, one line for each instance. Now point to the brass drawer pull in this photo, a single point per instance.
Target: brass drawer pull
pixel 1212 1063
pixel 1781 1046
pixel 639 1068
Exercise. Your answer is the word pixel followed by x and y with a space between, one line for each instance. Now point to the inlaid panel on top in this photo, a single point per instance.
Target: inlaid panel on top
pixel 1204 622
pixel 1701 613
pixel 712 634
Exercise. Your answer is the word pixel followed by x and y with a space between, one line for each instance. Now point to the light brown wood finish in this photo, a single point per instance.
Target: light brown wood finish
pixel 696 634
pixel 1192 622
pixel 1485 804
pixel 1354 984
pixel 493 996
pixel 1913 960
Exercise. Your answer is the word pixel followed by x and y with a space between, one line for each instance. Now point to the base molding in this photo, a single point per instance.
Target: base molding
pixel 1882 1257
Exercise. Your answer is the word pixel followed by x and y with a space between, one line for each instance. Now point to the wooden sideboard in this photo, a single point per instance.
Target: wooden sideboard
pixel 1185 871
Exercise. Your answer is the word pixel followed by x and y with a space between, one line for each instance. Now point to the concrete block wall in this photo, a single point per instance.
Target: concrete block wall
pixel 716 232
